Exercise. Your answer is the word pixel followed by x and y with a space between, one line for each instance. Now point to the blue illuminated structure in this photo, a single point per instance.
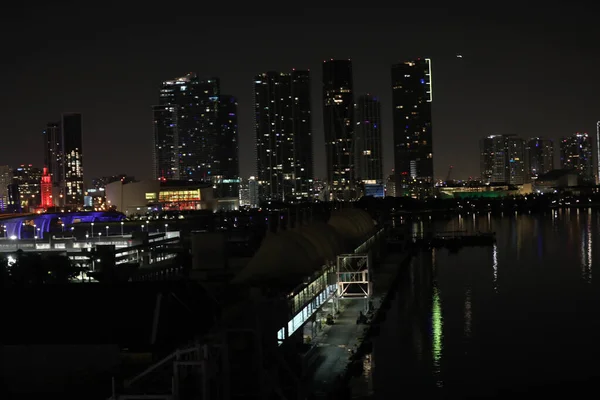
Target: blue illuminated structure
pixel 14 224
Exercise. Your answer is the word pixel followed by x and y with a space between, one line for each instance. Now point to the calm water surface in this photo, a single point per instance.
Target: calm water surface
pixel 519 317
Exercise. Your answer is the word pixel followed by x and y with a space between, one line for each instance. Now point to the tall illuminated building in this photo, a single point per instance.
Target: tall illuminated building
pixel 369 160
pixel 5 181
pixel 413 141
pixel 540 156
pixel 72 146
pixel 504 160
pixel 53 153
pixel 338 120
pixel 227 161
pixel 27 179
pixel 576 153
pixel 63 157
pixel 46 189
pixel 186 129
pixel 284 155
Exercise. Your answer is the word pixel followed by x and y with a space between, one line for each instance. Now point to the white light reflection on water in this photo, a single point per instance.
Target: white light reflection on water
pixel 495 266
pixel 586 257
pixel 468 314
pixel 437 323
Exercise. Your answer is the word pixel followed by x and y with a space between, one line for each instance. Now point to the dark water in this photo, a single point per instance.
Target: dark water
pixel 517 319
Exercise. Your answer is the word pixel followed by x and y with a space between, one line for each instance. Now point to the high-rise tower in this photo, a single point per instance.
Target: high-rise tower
pixel 540 156
pixel 413 142
pixel 72 147
pixel 368 139
pixel 338 120
pixel 227 158
pixel 576 153
pixel 53 153
pixel 283 135
pixel 186 129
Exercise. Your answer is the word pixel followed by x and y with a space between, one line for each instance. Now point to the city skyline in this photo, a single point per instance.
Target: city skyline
pixel 475 94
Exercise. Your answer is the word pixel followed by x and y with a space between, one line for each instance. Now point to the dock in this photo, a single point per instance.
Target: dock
pixel 342 346
pixel 453 241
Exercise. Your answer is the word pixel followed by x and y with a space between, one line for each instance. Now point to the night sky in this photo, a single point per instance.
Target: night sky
pixel 527 71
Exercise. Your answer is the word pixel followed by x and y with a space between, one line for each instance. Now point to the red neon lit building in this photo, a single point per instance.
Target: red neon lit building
pixel 46 189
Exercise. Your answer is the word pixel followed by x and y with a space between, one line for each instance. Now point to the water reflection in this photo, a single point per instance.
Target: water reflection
pixel 437 323
pixel 586 249
pixel 495 266
pixel 468 314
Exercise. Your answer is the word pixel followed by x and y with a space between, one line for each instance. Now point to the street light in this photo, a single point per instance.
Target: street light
pixel 166 228
pixel 122 223
pixel 92 229
pixel 142 228
pixel 106 230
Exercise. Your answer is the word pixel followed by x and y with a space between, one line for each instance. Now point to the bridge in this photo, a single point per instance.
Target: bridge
pixel 14 223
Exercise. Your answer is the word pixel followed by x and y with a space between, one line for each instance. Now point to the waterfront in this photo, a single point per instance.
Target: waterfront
pixel 517 317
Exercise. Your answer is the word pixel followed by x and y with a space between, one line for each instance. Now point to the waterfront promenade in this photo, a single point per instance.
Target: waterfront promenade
pixel 337 342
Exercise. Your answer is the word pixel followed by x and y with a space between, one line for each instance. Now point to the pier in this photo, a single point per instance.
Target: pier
pixel 452 240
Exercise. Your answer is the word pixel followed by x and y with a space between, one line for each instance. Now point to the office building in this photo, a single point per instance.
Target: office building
pixel 369 161
pixel 5 181
pixel 503 160
pixel 53 154
pixel 186 129
pixel 27 179
pixel 576 153
pixel 540 156
pixel 284 155
pixel 338 119
pixel 412 97
pixel 63 157
pixel 72 146
pixel 227 182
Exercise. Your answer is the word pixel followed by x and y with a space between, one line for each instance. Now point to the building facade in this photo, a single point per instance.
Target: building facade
pixel 227 182
pixel 186 129
pixel 338 120
pixel 412 98
pixel 369 160
pixel 284 155
pixel 576 153
pixel 503 160
pixel 63 157
pixel 5 181
pixel 72 146
pixel 540 156
pixel 27 179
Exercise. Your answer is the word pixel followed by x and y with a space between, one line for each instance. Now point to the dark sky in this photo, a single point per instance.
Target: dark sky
pixel 525 70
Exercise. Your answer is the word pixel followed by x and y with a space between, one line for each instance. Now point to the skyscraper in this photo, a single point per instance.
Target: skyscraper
pixel 283 135
pixel 413 142
pixel 53 154
pixel 63 157
pixel 338 119
pixel 503 160
pixel 227 160
pixel 72 147
pixel 5 181
pixel 540 156
pixel 576 153
pixel 186 129
pixel 369 165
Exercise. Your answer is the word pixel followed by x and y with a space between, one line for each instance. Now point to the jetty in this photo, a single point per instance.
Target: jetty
pixel 452 240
